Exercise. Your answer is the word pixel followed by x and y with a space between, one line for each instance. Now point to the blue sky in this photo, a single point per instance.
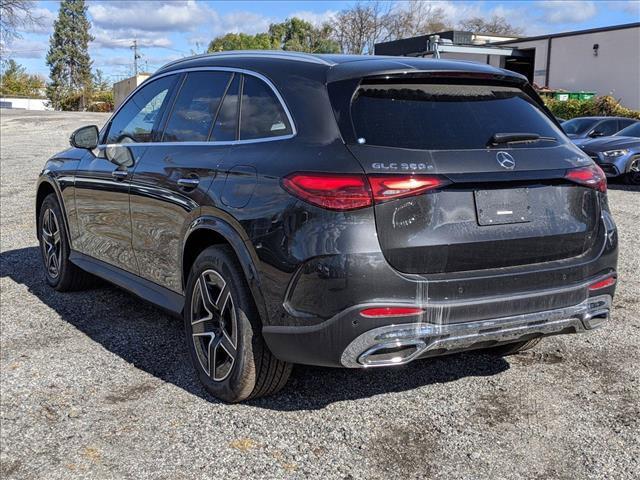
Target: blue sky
pixel 167 30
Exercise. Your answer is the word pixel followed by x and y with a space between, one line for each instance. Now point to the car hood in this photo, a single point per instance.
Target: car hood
pixel 609 143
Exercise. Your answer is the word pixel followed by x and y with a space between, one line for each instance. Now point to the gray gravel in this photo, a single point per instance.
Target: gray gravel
pixel 97 384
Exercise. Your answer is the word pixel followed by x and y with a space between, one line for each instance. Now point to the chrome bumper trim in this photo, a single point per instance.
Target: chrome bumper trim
pixel 400 344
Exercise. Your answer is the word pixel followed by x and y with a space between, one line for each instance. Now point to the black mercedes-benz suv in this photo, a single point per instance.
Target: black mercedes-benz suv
pixel 334 210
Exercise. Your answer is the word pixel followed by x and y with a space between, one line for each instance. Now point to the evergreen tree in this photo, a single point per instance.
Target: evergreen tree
pixel 68 58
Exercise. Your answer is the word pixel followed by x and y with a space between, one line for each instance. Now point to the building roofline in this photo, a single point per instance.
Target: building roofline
pixel 570 34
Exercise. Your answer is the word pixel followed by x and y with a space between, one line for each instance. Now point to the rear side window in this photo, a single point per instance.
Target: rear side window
pixel 196 107
pixel 261 114
pixel 433 116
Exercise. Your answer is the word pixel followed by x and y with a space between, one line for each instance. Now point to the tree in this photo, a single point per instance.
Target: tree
pixel 358 28
pixel 15 81
pixel 496 25
pixel 292 34
pixel 240 41
pixel 301 36
pixel 68 58
pixel 415 18
pixel 100 84
pixel 13 15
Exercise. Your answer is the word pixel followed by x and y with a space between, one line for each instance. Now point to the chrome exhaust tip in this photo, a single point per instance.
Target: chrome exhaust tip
pixel 391 353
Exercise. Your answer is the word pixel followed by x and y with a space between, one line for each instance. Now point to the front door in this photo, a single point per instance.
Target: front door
pixel 103 177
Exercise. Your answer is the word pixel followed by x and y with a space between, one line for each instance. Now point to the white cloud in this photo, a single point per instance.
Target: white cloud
pixel 42 21
pixel 315 18
pixel 26 48
pixel 567 11
pixel 154 16
pixel 235 22
pixel 123 38
pixel 632 7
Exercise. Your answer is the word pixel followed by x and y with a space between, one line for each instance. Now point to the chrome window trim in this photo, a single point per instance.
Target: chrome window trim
pixel 294 130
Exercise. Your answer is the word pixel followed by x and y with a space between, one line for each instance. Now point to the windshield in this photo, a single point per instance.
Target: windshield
pixel 632 130
pixel 438 116
pixel 578 126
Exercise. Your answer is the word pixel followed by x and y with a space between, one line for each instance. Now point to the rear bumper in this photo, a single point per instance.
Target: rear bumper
pixel 352 340
pixel 400 344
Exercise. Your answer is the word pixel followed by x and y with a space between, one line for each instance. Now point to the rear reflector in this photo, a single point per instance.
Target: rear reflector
pixel 351 191
pixel 604 283
pixel 379 312
pixel 387 187
pixel 591 176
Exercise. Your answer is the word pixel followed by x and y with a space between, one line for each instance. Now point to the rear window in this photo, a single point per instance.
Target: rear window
pixel 443 116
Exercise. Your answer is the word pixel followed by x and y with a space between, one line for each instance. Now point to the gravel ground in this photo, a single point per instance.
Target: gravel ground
pixel 97 384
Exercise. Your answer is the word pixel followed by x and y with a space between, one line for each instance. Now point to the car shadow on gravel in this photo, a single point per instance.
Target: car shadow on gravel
pixel 153 341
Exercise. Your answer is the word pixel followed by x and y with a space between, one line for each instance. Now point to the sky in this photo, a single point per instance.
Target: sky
pixel 167 30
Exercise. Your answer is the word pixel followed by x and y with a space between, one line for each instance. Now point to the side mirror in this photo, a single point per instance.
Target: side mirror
pixel 596 133
pixel 85 137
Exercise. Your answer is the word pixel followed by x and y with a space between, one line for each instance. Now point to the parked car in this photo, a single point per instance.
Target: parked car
pixel 592 127
pixel 619 154
pixel 345 211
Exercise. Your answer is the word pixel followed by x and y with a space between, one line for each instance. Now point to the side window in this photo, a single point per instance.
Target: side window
pixel 226 124
pixel 136 120
pixel 196 107
pixel 608 127
pixel 625 123
pixel 261 114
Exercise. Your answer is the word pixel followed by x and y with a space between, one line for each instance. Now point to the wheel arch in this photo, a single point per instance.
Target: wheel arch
pixel 209 231
pixel 47 186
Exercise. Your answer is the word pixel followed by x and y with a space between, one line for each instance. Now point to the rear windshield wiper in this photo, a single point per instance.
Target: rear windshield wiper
pixel 502 138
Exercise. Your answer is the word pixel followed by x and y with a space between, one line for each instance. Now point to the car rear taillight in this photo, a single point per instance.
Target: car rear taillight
pixel 591 176
pixel 335 192
pixel 387 187
pixel 351 191
pixel 604 283
pixel 381 312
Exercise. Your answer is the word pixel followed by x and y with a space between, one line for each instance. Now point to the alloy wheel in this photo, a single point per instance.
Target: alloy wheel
pixel 51 243
pixel 214 327
pixel 634 171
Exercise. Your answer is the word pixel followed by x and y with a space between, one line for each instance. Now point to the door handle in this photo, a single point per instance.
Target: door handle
pixel 120 174
pixel 188 183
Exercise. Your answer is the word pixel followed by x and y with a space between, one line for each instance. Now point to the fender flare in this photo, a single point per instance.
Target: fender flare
pixel 244 252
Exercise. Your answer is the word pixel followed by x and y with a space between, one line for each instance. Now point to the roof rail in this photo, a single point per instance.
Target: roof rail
pixel 282 54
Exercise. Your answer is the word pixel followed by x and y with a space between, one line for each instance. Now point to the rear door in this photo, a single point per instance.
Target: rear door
pixel 103 178
pixel 493 205
pixel 173 176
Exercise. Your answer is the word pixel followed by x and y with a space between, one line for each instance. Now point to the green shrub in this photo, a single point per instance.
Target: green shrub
pixel 599 106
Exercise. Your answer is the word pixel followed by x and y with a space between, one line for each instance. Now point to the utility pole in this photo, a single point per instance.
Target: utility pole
pixel 136 56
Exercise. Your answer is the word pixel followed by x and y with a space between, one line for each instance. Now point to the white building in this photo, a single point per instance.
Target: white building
pixel 25 103
pixel 601 60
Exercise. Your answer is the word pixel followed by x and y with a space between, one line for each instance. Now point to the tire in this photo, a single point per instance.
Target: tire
pixel 222 328
pixel 512 348
pixel 632 177
pixel 60 273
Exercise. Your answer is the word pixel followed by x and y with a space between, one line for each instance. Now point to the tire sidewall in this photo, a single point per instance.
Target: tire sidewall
pixel 630 177
pixel 51 203
pixel 241 381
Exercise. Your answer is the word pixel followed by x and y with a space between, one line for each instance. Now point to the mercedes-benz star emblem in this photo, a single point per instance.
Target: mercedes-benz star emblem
pixel 505 160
